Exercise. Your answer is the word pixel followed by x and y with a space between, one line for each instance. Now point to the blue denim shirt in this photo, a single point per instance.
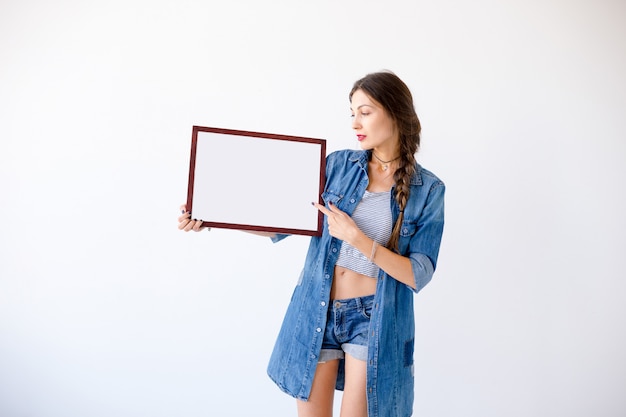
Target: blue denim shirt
pixel 390 388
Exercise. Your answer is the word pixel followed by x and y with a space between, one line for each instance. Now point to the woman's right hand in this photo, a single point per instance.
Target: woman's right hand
pixel 186 223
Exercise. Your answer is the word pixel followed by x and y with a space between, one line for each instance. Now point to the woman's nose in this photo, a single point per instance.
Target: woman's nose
pixel 356 123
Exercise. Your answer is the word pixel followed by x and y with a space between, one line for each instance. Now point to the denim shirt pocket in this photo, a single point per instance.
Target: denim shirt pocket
pixel 408 228
pixel 331 197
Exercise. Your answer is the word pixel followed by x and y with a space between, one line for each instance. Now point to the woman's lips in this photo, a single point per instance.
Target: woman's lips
pixel 360 137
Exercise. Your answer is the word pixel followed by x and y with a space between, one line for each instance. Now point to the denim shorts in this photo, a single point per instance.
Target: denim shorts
pixel 347 328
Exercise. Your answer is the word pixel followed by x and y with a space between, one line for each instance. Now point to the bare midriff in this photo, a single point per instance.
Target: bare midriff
pixel 350 284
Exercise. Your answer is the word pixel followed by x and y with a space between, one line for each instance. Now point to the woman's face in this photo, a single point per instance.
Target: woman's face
pixel 374 128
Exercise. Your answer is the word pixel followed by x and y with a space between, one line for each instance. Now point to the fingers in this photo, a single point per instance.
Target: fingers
pixel 334 217
pixel 183 219
pixel 322 208
pixel 185 216
pixel 189 225
pixel 198 226
pixel 334 211
pixel 186 223
pixel 328 212
pixel 334 208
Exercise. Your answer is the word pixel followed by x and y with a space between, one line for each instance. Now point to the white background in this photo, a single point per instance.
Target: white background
pixel 106 309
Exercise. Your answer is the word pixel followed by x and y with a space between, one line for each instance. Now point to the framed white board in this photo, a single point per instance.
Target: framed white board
pixel 256 181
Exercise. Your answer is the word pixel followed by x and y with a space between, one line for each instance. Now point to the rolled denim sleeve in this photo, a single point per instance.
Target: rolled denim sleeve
pixel 278 237
pixel 423 270
pixel 424 244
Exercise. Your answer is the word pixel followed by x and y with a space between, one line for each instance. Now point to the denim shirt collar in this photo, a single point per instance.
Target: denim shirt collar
pixel 363 157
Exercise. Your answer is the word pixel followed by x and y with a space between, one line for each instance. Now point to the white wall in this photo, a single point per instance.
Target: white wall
pixel 107 309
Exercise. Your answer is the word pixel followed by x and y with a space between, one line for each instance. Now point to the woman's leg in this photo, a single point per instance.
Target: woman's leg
pixel 320 402
pixel 354 402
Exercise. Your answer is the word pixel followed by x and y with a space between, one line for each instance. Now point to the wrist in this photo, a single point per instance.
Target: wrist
pixel 359 240
pixel 365 245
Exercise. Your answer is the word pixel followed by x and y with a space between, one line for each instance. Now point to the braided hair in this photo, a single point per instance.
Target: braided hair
pixel 395 97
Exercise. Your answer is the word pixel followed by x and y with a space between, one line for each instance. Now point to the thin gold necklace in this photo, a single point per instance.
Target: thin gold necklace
pixel 384 165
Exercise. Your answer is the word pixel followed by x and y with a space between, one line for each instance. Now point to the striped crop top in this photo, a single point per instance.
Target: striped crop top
pixel 373 216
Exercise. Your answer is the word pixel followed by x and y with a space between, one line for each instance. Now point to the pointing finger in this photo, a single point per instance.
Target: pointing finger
pixel 322 209
pixel 334 208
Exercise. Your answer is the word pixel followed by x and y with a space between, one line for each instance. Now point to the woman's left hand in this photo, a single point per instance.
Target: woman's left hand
pixel 340 224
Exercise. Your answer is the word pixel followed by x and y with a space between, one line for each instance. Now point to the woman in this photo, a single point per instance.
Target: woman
pixel 350 322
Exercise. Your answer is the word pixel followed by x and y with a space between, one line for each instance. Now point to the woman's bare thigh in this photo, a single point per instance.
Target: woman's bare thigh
pixel 354 401
pixel 320 402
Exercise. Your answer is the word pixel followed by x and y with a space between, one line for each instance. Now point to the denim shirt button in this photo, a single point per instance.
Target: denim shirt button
pixel 326 276
pixel 319 329
pixel 334 249
pixel 323 303
pixel 352 200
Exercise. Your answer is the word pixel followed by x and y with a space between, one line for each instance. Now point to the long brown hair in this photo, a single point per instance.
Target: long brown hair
pixel 395 97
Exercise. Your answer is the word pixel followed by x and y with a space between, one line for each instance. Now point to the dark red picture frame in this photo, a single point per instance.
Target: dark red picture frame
pixel 220 137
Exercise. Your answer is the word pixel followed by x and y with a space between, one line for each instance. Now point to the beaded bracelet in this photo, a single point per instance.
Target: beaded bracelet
pixel 374 246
